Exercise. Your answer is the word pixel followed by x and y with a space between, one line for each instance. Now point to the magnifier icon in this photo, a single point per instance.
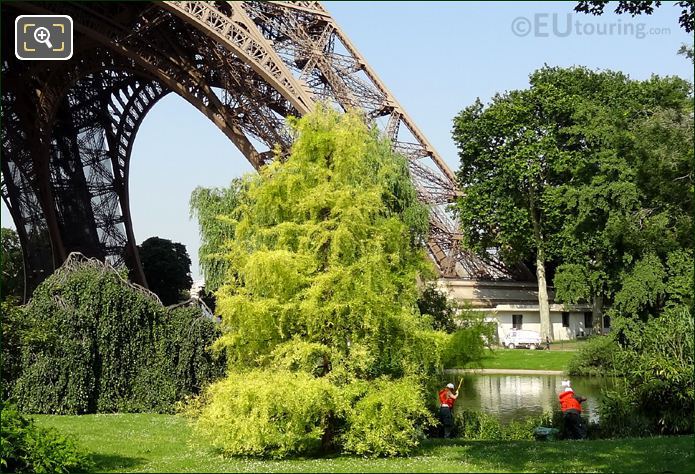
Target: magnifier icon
pixel 42 35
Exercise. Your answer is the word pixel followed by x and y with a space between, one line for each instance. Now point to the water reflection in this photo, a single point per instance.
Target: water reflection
pixel 512 397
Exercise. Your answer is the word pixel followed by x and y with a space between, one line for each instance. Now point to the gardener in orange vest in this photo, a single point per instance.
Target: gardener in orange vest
pixel 571 406
pixel 447 398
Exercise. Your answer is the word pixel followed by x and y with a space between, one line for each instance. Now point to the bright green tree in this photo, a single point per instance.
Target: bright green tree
pixel 213 208
pixel 320 292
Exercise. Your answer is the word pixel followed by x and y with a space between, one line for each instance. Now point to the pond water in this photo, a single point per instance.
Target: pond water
pixel 515 397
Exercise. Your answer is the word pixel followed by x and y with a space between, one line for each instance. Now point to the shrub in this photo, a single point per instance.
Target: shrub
pixel 600 355
pixel 658 372
pixel 267 413
pixel 96 343
pixel 25 447
pixel 12 329
pixel 477 425
pixel 620 416
pixel 386 417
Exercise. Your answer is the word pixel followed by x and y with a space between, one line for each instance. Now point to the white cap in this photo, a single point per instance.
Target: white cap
pixel 450 385
pixel 565 383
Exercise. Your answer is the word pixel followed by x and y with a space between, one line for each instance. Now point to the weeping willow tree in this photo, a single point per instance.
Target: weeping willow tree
pixel 321 254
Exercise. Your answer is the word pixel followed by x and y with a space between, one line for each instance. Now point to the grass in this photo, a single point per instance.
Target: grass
pixel 165 443
pixel 526 359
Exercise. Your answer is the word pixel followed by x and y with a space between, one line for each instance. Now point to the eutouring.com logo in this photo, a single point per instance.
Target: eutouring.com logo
pixel 545 25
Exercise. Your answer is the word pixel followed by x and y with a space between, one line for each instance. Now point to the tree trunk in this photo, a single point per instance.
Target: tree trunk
pixel 543 305
pixel 597 313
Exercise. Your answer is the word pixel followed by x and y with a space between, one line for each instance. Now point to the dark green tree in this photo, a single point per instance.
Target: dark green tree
pixel 167 268
pixel 436 304
pixel 640 7
pixel 587 170
pixel 12 283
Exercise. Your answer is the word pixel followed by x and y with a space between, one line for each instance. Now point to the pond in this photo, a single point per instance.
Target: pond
pixel 515 397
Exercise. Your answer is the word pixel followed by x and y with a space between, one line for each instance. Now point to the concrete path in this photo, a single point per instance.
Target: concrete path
pixel 503 371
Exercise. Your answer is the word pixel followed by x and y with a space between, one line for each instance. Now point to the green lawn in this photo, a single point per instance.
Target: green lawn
pixel 526 359
pixel 164 443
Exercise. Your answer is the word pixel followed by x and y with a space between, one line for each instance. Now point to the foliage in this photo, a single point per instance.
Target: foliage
pixel 599 356
pixel 620 417
pixel 12 282
pixel 654 362
pixel 624 210
pixel 12 330
pixel 95 343
pixel 468 343
pixel 167 269
pixel 591 172
pixel 435 303
pixel 484 426
pixel 327 248
pixel 386 417
pixel 214 209
pixel 267 413
pixel 25 447
pixel 659 371
pixel 320 255
pixel 595 7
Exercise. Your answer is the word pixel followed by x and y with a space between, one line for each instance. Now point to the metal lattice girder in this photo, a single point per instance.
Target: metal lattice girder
pixel 70 125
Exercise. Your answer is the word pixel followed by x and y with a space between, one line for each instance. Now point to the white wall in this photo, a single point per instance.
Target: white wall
pixel 531 321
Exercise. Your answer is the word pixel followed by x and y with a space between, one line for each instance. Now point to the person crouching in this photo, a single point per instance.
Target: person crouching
pixel 447 398
pixel 571 406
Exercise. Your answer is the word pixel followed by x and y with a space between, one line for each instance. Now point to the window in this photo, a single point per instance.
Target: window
pixel 516 321
pixel 588 320
pixel 565 319
pixel 606 322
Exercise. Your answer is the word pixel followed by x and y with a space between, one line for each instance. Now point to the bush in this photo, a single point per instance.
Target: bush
pixel 96 343
pixel 385 417
pixel 476 425
pixel 658 372
pixel 600 355
pixel 267 413
pixel 276 413
pixel 620 416
pixel 25 447
pixel 12 329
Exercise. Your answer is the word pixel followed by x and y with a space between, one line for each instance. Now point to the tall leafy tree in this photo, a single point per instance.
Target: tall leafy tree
pixel 624 214
pixel 509 159
pixel 327 249
pixel 322 254
pixel 589 170
pixel 167 268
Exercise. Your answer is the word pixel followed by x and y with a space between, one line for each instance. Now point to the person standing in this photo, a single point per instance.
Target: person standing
pixel 447 398
pixel 571 405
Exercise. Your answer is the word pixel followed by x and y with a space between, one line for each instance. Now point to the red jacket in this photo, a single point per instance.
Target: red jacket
pixel 445 398
pixel 569 402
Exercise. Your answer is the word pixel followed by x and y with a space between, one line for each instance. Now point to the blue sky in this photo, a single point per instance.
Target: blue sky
pixel 436 57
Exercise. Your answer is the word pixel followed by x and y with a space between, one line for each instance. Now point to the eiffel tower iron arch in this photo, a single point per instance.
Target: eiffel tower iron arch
pixel 70 126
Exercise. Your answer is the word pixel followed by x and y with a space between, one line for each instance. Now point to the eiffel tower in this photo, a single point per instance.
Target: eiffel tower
pixel 69 126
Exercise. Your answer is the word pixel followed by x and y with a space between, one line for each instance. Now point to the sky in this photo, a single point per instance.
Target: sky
pixel 435 57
